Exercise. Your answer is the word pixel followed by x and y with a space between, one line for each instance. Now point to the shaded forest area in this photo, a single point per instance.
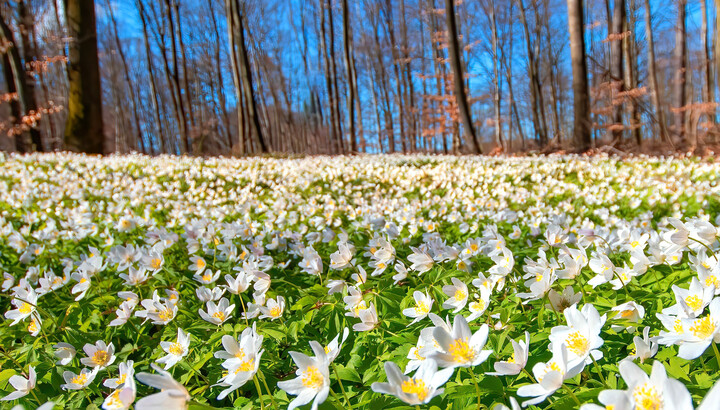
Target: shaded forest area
pixel 346 76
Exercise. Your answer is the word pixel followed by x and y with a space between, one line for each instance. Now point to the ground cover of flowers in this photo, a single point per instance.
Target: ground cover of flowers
pixel 364 282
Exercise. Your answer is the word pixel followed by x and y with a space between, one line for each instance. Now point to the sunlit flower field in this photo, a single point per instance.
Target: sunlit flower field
pixel 368 282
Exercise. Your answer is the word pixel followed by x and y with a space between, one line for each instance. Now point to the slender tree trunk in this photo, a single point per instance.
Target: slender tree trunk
pixel 29 54
pixel 398 78
pixel 460 96
pixel 221 82
pixel 630 77
pixel 183 62
pixel 349 63
pixel 153 87
pixel 247 81
pixel 22 144
pixel 175 77
pixel 708 86
pixel 652 75
pixel 496 77
pixel 232 23
pixel 407 80
pixel 535 94
pixel 84 125
pixel 581 94
pixel 679 57
pixel 126 71
pixel 616 68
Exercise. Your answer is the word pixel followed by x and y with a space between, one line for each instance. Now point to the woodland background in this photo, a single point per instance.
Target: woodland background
pixel 241 77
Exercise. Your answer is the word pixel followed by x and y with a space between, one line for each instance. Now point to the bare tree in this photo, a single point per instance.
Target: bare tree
pixel 581 95
pixel 460 96
pixel 84 126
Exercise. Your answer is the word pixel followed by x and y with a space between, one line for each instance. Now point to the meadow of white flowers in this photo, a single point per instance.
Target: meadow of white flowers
pixel 361 282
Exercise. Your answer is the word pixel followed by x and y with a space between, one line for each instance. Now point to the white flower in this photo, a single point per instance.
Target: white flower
pixel 78 381
pixel 645 347
pixel 273 309
pixel 175 350
pixel 313 381
pixel 121 398
pixel 65 352
pixel 22 385
pixel 206 295
pixel 172 395
pixel 655 392
pixel 342 258
pixel 218 313
pixel 479 304
pixel 517 362
pixel 333 348
pixel 237 285
pixel 82 285
pixel 25 307
pixel 560 302
pixel 459 347
pixel 198 264
pixel 458 293
pixel 369 319
pixel 206 277
pixel 127 374
pixel 691 302
pixel 423 305
pixel 135 277
pixel 416 390
pixel 630 311
pixel 242 359
pixel 354 302
pixel 124 312
pixel 581 336
pixel 335 286
pixel 421 260
pixel 550 377
pixel 697 334
pixel 99 355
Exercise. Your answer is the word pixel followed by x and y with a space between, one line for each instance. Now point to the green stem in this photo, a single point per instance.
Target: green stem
pixel 572 394
pixel 272 399
pixel 342 389
pixel 717 353
pixel 259 392
pixel 599 371
pixel 477 388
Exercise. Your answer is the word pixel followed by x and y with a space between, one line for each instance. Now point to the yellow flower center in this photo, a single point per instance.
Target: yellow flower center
pixel 577 343
pixel 635 244
pixel 25 308
pixel 478 305
pixel 240 354
pixel 200 263
pixel 33 327
pixel 511 359
pixel 415 386
pixel 275 311
pixel 312 378
pixel 694 302
pixel 207 277
pixel 473 247
pixel 121 379
pixel 539 277
pixel 113 400
pixel 418 356
pixel 461 351
pixel 100 357
pixel 647 398
pixel 677 327
pixel 176 349
pixel 80 379
pixel 219 315
pixel 165 314
pixel 422 309
pixel 460 294
pixel 703 328
pixel 626 313
pixel 83 280
pixel 155 263
pixel 247 366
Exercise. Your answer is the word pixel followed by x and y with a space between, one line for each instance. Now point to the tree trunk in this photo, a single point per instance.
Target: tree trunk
pixel 708 86
pixel 535 90
pixel 175 77
pixel 349 63
pixel 460 96
pixel 247 81
pixel 84 125
pixel 679 97
pixel 630 79
pixel 581 94
pixel 232 14
pixel 652 75
pixel 616 68
pixel 29 54
pixel 398 78
pixel 496 77
pixel 153 87
pixel 126 71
